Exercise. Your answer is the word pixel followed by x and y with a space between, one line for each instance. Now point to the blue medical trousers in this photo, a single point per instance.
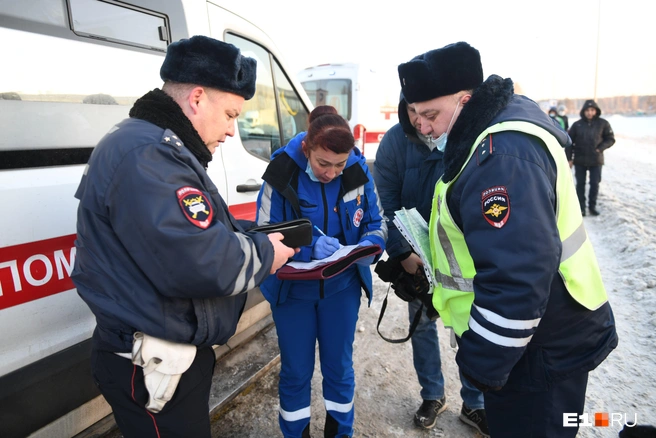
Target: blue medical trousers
pixel 300 323
pixel 428 365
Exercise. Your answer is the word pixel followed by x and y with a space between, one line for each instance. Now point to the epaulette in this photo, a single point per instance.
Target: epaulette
pixel 484 149
pixel 171 139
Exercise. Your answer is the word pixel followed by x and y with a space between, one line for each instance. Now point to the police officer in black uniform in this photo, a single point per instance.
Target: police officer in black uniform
pixel 160 261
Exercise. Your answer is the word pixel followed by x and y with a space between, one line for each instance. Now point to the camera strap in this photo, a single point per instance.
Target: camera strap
pixel 413 326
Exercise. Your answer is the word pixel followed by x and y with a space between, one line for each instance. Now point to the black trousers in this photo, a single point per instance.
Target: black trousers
pixel 595 179
pixel 186 415
pixel 539 414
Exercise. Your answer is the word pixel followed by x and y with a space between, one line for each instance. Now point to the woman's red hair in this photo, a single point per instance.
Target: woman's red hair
pixel 329 130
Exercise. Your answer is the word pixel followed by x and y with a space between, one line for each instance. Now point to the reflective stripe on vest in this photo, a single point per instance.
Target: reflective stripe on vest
pixel 453 295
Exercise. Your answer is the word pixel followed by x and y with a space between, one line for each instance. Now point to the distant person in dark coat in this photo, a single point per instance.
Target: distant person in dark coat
pixel 562 112
pixel 591 136
pixel 553 113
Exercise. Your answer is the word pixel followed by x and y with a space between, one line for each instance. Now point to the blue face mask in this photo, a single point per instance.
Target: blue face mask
pixel 310 173
pixel 440 142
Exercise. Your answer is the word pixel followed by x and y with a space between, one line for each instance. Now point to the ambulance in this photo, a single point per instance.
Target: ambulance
pixel 71 69
pixel 361 94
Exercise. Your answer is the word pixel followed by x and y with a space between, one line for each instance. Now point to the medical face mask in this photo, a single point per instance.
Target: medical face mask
pixel 440 142
pixel 310 173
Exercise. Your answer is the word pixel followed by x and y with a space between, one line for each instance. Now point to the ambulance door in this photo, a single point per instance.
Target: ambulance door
pixel 267 121
pixel 274 115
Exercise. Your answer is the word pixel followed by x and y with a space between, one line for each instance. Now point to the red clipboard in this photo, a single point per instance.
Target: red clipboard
pixel 329 269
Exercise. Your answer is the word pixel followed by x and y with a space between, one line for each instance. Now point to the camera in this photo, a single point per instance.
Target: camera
pixel 406 286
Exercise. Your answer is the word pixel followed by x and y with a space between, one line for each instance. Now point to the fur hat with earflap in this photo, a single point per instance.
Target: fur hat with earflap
pixel 441 72
pixel 201 60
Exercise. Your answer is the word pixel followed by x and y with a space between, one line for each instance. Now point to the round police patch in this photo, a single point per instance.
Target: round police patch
pixel 495 204
pixel 195 206
pixel 357 217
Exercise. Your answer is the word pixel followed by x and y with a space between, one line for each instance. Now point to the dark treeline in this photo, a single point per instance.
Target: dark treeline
pixel 629 105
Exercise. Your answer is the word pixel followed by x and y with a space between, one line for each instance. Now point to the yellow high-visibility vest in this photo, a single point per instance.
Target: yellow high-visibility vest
pixel 454 268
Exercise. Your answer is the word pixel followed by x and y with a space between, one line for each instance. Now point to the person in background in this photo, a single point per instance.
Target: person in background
pixel 407 167
pixel 591 136
pixel 160 261
pixel 321 176
pixel 562 112
pixel 553 113
pixel 517 277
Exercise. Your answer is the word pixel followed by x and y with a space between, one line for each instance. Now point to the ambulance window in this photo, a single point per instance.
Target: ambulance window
pixel 334 92
pixel 258 123
pixel 112 22
pixel 38 11
pixel 293 114
pixel 61 95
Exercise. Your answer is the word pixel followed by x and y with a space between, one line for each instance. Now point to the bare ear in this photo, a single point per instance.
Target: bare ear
pixel 196 95
pixel 465 99
pixel 305 149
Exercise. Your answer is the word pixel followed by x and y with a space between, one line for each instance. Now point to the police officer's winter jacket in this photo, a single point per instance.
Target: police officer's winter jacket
pixel 517 263
pixel 405 172
pixel 157 249
pixel 289 193
pixel 590 138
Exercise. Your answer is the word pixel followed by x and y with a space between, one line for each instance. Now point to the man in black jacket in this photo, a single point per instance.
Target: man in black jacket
pixel 591 136
pixel 408 165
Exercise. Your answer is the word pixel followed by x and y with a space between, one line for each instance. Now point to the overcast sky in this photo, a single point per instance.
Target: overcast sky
pixel 548 48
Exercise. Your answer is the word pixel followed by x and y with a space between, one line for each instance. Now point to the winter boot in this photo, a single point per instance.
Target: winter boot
pixel 426 416
pixel 330 429
pixel 476 418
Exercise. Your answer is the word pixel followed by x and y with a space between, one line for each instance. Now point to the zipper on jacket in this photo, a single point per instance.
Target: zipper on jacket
pixel 325 209
pixel 325 227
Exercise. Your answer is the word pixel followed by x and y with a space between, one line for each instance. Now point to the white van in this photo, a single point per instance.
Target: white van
pixel 362 95
pixel 71 69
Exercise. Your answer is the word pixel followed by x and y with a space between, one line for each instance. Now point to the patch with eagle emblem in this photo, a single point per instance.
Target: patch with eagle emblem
pixel 495 203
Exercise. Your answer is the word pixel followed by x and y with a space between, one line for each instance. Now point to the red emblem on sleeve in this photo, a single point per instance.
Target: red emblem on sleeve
pixel 495 203
pixel 195 206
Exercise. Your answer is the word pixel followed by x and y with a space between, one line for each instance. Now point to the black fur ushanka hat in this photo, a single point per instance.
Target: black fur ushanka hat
pixel 441 72
pixel 212 63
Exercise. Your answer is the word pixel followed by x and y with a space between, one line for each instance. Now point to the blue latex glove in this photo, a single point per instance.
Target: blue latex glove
pixel 367 260
pixel 324 247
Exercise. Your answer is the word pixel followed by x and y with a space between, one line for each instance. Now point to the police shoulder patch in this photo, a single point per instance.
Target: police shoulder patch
pixel 195 206
pixel 495 204
pixel 484 149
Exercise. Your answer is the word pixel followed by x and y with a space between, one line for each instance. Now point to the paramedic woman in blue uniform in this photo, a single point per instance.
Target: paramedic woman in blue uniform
pixel 319 175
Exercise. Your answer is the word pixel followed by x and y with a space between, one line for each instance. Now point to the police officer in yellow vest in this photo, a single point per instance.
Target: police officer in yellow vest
pixel 516 275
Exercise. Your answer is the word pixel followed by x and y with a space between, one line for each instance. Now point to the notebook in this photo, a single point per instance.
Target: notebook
pixel 328 267
pixel 414 229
